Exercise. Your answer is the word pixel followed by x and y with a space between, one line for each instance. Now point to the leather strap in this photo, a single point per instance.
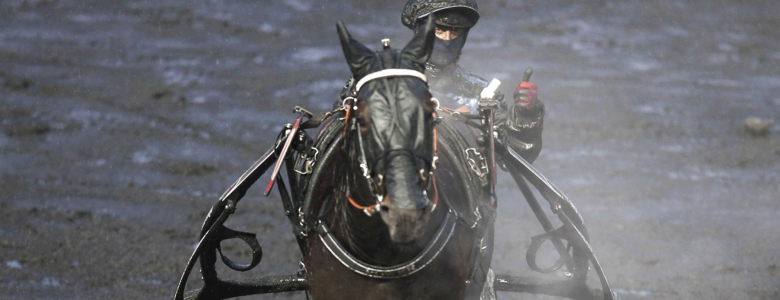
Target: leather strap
pixel 439 241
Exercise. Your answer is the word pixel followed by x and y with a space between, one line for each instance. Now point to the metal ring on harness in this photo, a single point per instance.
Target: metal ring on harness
pixel 347 108
pixel 438 105
pixel 344 102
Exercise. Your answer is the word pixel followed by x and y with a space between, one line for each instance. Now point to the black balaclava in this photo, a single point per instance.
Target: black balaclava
pixel 446 53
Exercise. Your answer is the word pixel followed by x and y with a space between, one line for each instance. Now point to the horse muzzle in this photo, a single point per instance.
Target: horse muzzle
pixel 406 208
pixel 404 225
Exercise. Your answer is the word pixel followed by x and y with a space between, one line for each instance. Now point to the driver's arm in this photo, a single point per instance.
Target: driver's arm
pixel 520 125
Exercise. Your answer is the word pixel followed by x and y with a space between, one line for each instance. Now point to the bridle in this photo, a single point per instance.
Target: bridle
pixel 377 188
pixel 447 227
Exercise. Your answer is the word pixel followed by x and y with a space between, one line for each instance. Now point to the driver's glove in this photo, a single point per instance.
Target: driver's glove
pixel 523 127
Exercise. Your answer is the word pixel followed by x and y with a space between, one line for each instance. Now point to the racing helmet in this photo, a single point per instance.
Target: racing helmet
pixel 454 18
pixel 452 13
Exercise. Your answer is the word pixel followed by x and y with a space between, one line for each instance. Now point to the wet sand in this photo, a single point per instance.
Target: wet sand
pixel 123 121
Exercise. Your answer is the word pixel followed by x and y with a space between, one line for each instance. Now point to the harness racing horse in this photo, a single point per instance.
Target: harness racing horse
pixel 391 201
pixel 386 228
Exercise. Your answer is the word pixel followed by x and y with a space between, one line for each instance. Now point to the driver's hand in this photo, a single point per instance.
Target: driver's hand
pixel 527 109
pixel 524 122
pixel 525 94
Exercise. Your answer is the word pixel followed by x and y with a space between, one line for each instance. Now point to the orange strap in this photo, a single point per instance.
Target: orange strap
pixel 463 109
pixel 370 210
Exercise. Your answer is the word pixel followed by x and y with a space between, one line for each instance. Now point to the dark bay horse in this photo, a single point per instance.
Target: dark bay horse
pixel 396 210
pixel 392 202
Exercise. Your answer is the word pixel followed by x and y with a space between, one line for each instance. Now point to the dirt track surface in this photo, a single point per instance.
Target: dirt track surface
pixel 123 121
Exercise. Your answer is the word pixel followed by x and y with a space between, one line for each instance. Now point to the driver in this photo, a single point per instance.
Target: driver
pixel 520 121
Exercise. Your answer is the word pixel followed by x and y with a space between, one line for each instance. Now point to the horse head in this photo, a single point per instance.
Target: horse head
pixel 391 137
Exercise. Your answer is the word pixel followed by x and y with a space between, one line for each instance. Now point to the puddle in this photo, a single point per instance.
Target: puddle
pixel 641 293
pixel 13 264
pixel 314 55
pixel 50 281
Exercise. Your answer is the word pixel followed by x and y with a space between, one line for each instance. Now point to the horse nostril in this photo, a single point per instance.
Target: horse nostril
pixel 384 208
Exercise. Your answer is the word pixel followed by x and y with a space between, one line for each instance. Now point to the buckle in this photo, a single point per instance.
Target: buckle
pixel 308 165
pixel 477 162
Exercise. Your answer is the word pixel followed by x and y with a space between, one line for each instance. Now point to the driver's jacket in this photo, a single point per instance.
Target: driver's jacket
pixel 460 90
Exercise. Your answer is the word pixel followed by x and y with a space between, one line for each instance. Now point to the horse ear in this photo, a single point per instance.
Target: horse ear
pixel 358 56
pixel 419 49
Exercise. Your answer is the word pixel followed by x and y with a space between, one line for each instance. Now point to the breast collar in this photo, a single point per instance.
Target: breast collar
pixel 431 251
